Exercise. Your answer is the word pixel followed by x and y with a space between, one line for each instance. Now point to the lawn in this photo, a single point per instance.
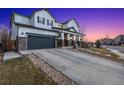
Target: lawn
pixel 104 51
pixel 21 71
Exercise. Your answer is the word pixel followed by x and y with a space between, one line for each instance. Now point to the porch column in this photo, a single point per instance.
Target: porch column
pixel 68 38
pixel 79 38
pixel 79 43
pixel 74 39
pixel 62 37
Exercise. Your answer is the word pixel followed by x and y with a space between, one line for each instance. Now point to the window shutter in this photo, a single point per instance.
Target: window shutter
pixel 47 22
pixel 38 19
pixel 43 20
pixel 51 23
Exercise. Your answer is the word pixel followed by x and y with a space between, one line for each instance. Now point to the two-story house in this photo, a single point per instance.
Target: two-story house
pixel 41 30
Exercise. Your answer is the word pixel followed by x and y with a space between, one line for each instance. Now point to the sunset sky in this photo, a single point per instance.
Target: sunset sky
pixel 96 23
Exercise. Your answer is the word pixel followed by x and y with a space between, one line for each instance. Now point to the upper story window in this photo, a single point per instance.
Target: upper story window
pixel 41 20
pixel 49 22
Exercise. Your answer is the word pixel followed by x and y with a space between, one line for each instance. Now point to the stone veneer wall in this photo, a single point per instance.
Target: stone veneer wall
pixel 59 43
pixel 22 43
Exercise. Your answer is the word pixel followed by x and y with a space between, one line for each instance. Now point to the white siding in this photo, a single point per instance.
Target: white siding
pixel 43 14
pixel 13 32
pixel 57 25
pixel 65 26
pixel 25 30
pixel 32 20
pixel 73 24
pixel 22 19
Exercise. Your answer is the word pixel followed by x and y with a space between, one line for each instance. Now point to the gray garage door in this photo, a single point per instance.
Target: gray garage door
pixel 40 41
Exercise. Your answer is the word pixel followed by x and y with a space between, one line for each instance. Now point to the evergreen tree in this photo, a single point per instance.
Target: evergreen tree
pixel 98 43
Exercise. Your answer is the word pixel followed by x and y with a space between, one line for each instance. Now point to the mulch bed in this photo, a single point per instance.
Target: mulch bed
pixel 1 57
pixel 57 76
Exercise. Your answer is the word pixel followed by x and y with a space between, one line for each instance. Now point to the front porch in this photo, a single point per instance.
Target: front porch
pixel 68 39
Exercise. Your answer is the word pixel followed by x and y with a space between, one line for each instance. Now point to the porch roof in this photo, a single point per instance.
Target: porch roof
pixel 66 30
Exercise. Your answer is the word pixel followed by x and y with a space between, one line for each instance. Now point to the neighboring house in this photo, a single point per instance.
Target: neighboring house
pixel 41 30
pixel 106 41
pixel 119 40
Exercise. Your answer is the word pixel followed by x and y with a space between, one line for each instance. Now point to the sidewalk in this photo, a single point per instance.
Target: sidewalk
pixel 117 52
pixel 10 55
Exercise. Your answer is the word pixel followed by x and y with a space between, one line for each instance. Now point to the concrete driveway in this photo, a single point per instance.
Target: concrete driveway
pixel 83 68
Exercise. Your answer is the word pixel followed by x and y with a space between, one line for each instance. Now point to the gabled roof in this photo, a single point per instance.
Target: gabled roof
pixel 68 30
pixel 43 10
pixel 71 20
pixel 34 13
pixel 120 36
pixel 71 28
pixel 13 14
pixel 107 40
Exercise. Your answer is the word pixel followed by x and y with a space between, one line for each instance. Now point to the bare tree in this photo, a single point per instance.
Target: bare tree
pixel 4 36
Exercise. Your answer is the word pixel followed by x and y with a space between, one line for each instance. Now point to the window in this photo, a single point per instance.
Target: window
pixel 49 23
pixel 41 20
